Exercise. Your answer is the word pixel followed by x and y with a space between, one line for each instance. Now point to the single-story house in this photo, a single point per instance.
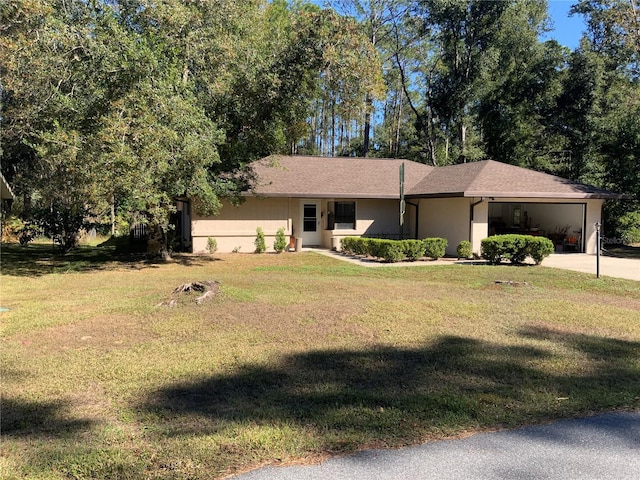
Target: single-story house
pixel 321 200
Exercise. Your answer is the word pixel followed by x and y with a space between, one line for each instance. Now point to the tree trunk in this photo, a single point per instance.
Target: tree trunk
pixel 157 243
pixel 113 216
pixel 367 126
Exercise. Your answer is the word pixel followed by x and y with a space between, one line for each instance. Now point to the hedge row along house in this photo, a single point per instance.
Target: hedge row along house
pixel 320 200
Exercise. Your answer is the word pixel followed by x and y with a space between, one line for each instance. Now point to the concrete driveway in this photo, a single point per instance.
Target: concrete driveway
pixel 628 268
pixel 602 447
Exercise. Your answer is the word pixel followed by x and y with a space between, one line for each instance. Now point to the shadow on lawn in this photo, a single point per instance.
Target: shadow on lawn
pixel 37 259
pixel 393 396
pixel 24 418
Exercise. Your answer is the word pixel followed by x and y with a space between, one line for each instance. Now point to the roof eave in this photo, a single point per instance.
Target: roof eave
pixel 541 195
pixel 564 195
pixel 369 196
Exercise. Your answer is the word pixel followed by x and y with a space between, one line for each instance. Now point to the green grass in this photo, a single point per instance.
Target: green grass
pixel 300 357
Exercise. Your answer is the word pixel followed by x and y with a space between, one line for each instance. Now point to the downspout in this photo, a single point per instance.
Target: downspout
pixel 471 218
pixel 417 205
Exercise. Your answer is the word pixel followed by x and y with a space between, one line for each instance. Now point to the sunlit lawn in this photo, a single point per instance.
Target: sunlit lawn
pixel 300 357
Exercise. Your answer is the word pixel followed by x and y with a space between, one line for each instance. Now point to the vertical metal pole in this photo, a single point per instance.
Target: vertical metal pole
pixel 597 249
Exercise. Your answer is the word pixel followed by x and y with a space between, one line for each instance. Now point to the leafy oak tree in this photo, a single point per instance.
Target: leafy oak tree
pixel 134 103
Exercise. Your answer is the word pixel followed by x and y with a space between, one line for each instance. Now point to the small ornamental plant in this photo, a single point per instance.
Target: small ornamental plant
pixel 260 243
pixel 281 241
pixel 212 245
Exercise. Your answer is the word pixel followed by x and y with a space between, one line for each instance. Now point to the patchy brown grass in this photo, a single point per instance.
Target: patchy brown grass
pixel 300 357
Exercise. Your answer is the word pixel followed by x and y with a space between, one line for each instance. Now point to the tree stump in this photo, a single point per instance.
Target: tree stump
pixel 208 288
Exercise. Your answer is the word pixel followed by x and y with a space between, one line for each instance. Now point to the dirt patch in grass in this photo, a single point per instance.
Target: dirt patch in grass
pixel 97 333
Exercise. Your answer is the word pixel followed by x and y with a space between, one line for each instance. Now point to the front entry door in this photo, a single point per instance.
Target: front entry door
pixel 310 223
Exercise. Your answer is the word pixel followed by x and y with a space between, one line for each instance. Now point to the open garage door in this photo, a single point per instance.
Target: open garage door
pixel 563 223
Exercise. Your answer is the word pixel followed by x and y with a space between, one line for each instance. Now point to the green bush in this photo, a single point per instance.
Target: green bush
pixel 394 250
pixel 515 248
pixel 260 243
pixel 212 245
pixel 464 249
pixel 491 249
pixel 413 249
pixel 360 246
pixel 391 251
pixel 373 246
pixel 539 248
pixel 435 247
pixel 280 242
pixel 346 245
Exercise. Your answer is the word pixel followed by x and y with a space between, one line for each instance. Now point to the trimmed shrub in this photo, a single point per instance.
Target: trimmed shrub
pixel 464 249
pixel 515 248
pixel 360 246
pixel 413 249
pixel 391 251
pixel 212 245
pixel 435 247
pixel 493 249
pixel 539 248
pixel 260 243
pixel 373 247
pixel 346 245
pixel 280 242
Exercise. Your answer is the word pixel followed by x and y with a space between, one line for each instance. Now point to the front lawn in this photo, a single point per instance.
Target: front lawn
pixel 300 357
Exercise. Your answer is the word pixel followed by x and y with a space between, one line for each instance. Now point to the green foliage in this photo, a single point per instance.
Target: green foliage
pixel 394 250
pixel 539 248
pixel 259 242
pixel 280 242
pixel 413 249
pixel 391 250
pixel 435 247
pixel 464 249
pixel 15 229
pixel 212 245
pixel 628 227
pixel 496 248
pixel 515 248
pixel 62 223
pixel 137 103
pixel 346 245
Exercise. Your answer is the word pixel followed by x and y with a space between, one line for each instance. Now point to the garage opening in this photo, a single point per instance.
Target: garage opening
pixel 562 223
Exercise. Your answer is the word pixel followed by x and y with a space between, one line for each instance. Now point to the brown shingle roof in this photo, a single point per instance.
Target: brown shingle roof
pixel 495 179
pixel 338 177
pixel 349 177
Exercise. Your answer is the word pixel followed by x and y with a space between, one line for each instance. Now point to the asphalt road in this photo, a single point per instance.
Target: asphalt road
pixel 595 448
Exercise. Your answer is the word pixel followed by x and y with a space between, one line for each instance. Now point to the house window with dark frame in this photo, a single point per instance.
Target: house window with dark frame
pixel 342 216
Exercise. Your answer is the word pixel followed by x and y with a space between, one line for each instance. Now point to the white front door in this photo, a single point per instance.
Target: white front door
pixel 311 233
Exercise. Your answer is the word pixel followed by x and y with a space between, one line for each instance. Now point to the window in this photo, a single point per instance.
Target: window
pixel 342 216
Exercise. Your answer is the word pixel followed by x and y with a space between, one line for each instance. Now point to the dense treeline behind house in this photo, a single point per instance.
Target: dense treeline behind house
pixel 113 108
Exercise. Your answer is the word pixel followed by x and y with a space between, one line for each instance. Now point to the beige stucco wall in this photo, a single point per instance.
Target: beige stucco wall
pixel 446 218
pixel 236 227
pixel 594 214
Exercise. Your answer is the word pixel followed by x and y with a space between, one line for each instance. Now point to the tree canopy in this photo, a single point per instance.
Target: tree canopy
pixel 126 105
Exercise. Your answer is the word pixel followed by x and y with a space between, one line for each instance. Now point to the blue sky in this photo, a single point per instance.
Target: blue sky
pixel 567 30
